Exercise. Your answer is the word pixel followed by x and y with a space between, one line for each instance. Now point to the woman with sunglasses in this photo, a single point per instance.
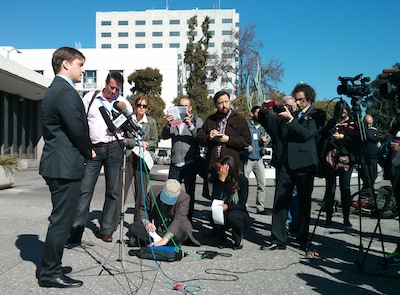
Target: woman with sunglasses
pixel 147 142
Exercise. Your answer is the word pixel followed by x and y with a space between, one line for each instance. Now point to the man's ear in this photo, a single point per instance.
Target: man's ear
pixel 65 64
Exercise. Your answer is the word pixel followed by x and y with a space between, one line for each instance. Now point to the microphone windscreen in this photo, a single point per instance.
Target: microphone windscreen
pixel 119 105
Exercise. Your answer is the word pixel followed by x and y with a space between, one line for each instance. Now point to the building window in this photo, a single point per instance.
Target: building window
pixel 226 32
pixel 105 46
pixel 174 45
pixel 212 21
pixel 157 22
pixel 208 80
pixel 211 56
pixel 140 34
pixel 157 45
pixel 237 25
pixel 210 91
pixel 174 34
pixel 157 34
pixel 174 21
pixel 227 68
pixel 123 34
pixel 227 44
pixel 212 33
pixel 106 23
pixel 179 56
pixel 226 20
pixel 226 79
pixel 105 34
pixel 140 45
pixel 122 22
pixel 227 90
pixel 90 80
pixel 226 55
pixel 122 45
pixel 140 22
pixel 211 44
pixel 191 33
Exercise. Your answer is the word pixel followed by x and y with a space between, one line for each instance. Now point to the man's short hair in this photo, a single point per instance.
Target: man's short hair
pixel 219 94
pixel 254 109
pixel 116 76
pixel 308 91
pixel 65 53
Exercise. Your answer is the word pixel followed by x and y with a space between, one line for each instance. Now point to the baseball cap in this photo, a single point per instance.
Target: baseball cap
pixel 170 192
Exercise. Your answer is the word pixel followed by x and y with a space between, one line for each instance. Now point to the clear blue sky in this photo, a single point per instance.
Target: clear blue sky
pixel 316 40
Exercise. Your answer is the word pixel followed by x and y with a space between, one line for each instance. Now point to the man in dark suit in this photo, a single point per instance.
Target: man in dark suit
pixel 296 161
pixel 67 148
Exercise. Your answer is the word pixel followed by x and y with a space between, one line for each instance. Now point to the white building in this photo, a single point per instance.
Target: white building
pixel 99 62
pixel 161 29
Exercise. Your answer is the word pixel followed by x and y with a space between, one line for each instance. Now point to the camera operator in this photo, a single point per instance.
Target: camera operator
pixel 295 160
pixel 340 134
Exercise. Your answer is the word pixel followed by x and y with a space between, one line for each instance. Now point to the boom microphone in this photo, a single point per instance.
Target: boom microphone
pixel 131 124
pixel 107 119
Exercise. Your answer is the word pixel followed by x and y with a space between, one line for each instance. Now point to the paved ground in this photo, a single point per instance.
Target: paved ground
pixel 23 224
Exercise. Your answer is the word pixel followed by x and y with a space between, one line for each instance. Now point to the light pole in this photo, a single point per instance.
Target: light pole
pixel 11 49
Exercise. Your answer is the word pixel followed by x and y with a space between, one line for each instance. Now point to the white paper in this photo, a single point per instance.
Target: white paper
pixel 179 113
pixel 146 156
pixel 155 236
pixel 216 210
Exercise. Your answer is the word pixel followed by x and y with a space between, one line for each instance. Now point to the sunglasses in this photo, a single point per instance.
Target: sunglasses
pixel 141 105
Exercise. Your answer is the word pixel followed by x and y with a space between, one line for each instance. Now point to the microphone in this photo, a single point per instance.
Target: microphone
pixel 107 119
pixel 131 124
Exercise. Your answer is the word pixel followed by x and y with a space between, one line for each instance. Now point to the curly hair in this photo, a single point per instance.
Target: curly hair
pixel 308 91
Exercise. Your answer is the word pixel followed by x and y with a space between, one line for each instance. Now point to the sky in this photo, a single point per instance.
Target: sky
pixel 315 40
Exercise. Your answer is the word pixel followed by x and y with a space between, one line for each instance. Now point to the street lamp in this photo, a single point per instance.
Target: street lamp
pixel 11 49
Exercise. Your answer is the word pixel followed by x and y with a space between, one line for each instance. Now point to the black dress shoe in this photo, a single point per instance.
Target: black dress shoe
pixel 263 212
pixel 61 281
pixel 66 269
pixel 273 246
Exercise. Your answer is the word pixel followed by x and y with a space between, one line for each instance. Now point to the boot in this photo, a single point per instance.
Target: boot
pixel 346 202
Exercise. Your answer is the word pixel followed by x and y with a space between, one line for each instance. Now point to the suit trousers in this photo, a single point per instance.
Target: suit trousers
pixel 110 157
pixel 286 179
pixel 64 198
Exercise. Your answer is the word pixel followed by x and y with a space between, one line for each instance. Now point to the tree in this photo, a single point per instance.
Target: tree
pixel 244 47
pixel 196 59
pixel 148 82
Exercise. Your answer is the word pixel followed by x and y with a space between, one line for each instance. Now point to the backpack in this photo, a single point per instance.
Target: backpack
pixel 386 203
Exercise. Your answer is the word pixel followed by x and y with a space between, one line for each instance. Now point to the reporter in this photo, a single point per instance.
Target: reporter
pixel 233 189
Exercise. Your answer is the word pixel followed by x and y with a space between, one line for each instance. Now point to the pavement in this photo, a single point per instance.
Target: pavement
pixel 343 266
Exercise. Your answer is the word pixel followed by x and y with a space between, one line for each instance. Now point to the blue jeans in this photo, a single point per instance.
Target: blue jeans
pixel 258 168
pixel 111 158
pixel 188 174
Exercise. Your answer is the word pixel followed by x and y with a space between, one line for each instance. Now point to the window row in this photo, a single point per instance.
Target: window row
pixel 160 45
pixel 160 34
pixel 160 22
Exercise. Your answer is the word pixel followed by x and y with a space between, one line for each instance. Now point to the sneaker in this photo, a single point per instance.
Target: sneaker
pixel 391 259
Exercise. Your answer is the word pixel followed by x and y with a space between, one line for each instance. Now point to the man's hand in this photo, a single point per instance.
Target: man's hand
pixel 250 149
pixel 150 227
pixel 144 145
pixel 216 136
pixel 170 118
pixel 187 121
pixel 286 114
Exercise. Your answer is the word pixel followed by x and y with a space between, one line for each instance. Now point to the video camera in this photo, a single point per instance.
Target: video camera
pixel 390 83
pixel 349 88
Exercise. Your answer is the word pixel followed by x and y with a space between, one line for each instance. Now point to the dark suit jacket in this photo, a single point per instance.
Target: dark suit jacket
pixel 65 131
pixel 295 142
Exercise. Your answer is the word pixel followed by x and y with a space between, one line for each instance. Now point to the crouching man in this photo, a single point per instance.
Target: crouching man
pixel 163 218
